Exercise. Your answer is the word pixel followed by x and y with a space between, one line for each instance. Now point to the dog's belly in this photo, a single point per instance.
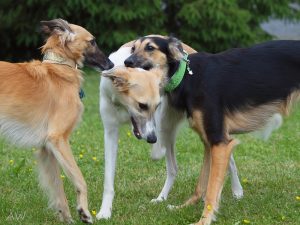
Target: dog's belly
pixel 21 134
pixel 251 119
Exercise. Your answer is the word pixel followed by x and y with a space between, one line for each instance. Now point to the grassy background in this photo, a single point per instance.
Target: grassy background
pixel 269 170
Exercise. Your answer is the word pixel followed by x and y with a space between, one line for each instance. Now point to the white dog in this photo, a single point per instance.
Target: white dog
pixel 114 114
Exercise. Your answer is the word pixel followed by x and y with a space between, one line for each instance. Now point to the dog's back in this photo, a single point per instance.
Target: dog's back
pixel 257 75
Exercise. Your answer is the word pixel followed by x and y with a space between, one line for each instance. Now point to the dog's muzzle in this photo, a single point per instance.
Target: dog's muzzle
pixel 151 139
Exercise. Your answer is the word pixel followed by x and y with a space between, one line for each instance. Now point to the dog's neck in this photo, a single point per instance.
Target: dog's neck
pixel 52 57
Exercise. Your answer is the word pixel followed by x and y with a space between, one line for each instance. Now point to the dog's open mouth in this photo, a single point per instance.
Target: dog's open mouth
pixel 135 128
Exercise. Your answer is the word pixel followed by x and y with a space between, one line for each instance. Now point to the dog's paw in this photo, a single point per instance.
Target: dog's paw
pixel 85 216
pixel 172 207
pixel 65 216
pixel 104 214
pixel 158 200
pixel 238 193
pixel 203 221
pixel 67 220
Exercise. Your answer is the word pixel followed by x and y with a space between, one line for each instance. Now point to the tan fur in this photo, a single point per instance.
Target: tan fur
pixel 137 86
pixel 42 98
pixel 220 155
pixel 80 41
pixel 293 98
pixel 252 118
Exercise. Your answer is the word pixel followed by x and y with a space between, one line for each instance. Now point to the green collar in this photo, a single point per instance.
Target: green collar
pixel 177 77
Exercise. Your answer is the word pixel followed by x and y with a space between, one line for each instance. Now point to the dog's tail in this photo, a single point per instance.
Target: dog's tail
pixel 274 123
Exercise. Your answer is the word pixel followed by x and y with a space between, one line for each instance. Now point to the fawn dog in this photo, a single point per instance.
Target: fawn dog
pixel 232 92
pixel 40 106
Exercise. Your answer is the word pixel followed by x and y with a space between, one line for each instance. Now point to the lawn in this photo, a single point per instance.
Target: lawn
pixel 270 172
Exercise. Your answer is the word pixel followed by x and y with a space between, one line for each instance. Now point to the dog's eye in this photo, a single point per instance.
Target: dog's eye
pixel 132 49
pixel 143 106
pixel 93 42
pixel 149 48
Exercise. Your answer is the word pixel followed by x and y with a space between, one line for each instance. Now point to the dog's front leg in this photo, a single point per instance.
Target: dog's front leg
pixel 220 155
pixel 202 181
pixel 158 151
pixel 111 135
pixel 169 123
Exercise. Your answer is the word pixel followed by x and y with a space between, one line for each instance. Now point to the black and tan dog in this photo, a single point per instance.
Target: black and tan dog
pixel 236 91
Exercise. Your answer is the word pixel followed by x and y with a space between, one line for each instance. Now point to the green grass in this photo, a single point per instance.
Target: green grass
pixel 272 171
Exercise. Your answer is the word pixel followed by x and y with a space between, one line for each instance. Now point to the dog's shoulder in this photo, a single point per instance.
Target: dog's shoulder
pixel 35 69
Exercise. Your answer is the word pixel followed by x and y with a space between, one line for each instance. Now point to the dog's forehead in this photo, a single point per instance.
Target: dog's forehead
pixel 146 82
pixel 158 42
pixel 141 42
pixel 80 31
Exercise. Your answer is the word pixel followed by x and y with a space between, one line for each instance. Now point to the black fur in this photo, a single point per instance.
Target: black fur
pixel 234 80
pixel 238 79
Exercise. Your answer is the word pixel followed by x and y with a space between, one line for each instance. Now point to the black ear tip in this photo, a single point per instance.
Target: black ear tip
pixel 173 39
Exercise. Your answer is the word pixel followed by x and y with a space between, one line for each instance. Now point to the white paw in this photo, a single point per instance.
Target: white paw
pixel 157 200
pixel 172 207
pixel 238 194
pixel 104 214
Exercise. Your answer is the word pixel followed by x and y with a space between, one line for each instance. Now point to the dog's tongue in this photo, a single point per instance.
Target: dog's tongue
pixel 135 129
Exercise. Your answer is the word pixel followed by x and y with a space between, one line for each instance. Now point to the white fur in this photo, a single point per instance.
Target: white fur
pixel 21 134
pixel 113 114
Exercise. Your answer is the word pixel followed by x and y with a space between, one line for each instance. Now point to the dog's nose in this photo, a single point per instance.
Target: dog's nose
pixel 110 65
pixel 128 62
pixel 152 138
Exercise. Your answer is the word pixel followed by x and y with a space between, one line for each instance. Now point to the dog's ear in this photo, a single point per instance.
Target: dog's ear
pixel 175 48
pixel 59 27
pixel 119 77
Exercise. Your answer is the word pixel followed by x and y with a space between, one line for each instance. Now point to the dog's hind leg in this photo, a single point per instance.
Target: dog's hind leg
pixel 63 153
pixel 170 121
pixel 236 187
pixel 50 180
pixel 274 123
